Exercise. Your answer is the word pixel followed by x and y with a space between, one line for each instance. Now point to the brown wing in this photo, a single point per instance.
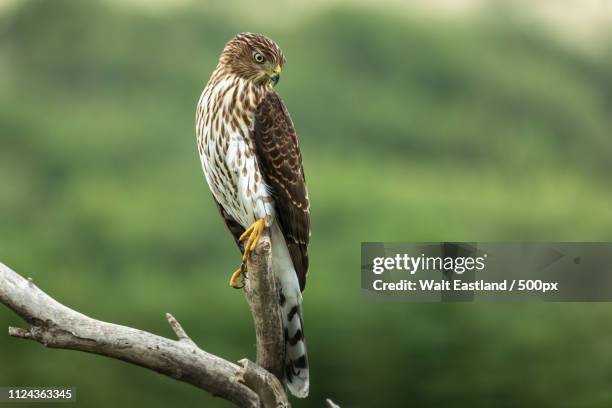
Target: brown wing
pixel 280 162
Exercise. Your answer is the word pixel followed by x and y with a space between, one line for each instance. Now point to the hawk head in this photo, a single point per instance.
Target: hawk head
pixel 254 57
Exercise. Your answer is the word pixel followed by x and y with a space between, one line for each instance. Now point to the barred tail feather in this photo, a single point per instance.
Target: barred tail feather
pixel 296 359
pixel 290 298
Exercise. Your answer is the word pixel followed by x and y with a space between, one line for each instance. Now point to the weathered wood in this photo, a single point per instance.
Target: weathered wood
pixel 57 326
pixel 262 293
pixel 249 384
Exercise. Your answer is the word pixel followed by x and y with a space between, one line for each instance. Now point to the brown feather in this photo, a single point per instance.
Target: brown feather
pixel 280 161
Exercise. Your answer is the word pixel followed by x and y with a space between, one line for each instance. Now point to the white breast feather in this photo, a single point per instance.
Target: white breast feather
pixel 244 195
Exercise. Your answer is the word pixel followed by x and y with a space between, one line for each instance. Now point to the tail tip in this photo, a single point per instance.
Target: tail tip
pixel 299 389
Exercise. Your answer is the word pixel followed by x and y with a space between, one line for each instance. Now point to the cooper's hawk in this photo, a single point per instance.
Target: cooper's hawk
pixel 253 165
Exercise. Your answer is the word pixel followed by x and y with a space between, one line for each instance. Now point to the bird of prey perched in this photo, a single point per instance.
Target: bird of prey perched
pixel 253 165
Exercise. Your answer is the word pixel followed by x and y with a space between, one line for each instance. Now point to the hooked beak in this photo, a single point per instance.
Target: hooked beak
pixel 275 74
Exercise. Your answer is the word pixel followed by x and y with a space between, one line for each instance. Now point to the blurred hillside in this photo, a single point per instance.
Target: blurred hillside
pixel 484 129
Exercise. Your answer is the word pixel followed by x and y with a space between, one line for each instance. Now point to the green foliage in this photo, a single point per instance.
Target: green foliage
pixel 411 131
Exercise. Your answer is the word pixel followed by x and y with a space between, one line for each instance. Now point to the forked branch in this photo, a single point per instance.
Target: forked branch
pixel 246 384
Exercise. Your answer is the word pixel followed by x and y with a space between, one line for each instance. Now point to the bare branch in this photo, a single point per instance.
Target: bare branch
pixel 178 330
pixel 57 326
pixel 246 385
pixel 330 404
pixel 19 332
pixel 269 388
pixel 262 294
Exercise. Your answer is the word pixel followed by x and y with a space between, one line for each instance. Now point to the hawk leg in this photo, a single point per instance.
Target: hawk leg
pixel 251 235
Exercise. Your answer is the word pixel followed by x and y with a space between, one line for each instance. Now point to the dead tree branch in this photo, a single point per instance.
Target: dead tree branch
pixel 262 295
pixel 246 385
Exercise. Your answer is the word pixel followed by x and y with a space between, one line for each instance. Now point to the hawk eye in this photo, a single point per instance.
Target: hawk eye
pixel 258 58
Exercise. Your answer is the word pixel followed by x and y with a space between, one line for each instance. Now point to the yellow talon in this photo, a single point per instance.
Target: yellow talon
pixel 252 233
pixel 234 279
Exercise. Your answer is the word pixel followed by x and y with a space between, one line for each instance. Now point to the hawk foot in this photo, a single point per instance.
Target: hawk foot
pixel 251 235
pixel 237 275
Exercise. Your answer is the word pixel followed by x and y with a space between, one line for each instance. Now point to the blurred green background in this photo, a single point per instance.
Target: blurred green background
pixel 483 128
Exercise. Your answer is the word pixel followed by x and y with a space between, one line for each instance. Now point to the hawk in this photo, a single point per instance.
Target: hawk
pixel 252 162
